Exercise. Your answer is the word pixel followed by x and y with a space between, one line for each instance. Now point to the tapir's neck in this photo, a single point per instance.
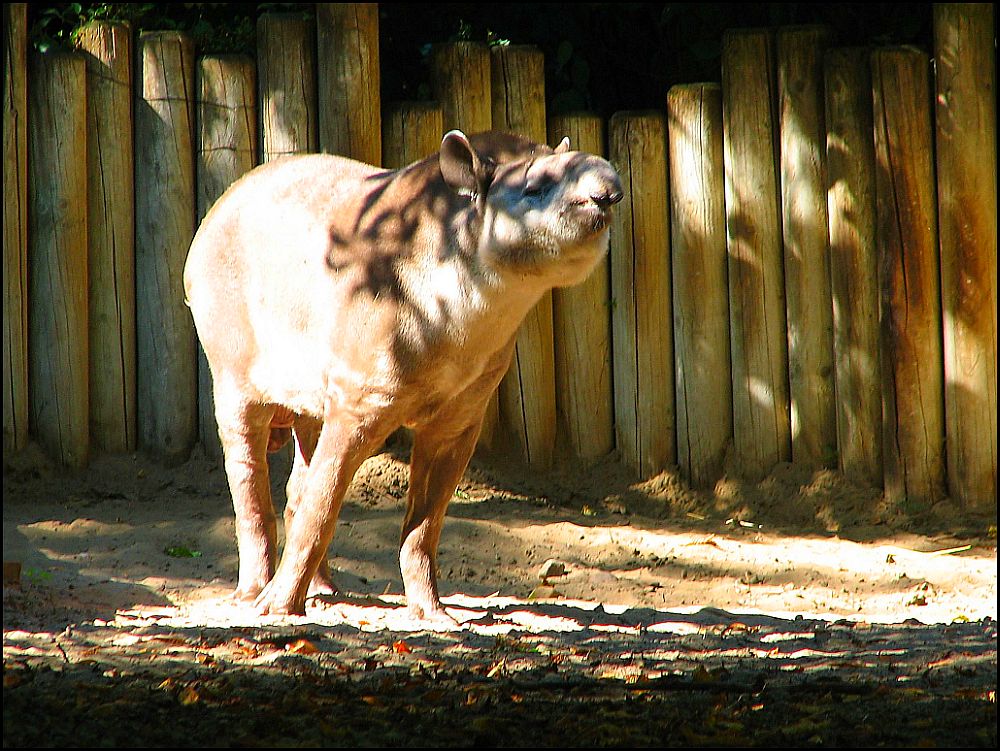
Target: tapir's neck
pixel 456 291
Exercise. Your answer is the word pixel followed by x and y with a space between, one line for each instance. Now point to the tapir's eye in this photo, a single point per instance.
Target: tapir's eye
pixel 536 189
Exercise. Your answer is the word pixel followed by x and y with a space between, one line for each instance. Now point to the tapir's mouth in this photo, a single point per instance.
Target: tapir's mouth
pixel 593 218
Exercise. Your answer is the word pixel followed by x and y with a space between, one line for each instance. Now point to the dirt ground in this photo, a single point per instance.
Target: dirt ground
pixel 594 610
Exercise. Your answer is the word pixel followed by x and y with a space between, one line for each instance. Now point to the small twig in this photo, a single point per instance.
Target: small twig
pixel 949 551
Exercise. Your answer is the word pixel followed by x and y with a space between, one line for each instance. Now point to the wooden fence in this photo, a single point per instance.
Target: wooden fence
pixel 803 267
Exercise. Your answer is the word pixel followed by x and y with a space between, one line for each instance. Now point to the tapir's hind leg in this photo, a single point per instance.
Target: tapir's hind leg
pixel 306 435
pixel 244 431
pixel 437 462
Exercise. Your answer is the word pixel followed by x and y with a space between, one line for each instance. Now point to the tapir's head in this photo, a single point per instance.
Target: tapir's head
pixel 544 211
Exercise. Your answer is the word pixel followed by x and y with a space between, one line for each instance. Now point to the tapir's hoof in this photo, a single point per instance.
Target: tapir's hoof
pixel 244 595
pixel 433 618
pixel 322 586
pixel 271 602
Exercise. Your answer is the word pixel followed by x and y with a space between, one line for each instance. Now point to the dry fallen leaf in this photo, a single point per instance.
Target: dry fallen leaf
pixel 189 696
pixel 301 647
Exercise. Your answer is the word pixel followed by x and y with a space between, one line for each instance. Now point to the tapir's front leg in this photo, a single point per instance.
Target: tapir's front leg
pixel 440 456
pixel 342 446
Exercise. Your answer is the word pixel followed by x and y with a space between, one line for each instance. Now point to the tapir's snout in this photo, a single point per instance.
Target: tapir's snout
pixel 603 188
pixel 600 182
pixel 607 198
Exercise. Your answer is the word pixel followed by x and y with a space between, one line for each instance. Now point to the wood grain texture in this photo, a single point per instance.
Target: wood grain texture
pixel 286 80
pixel 111 222
pixel 461 81
pixel 806 244
pixel 641 294
pixel 758 333
pixel 15 227
pixel 57 274
pixel 350 112
pixel 165 212
pixel 964 52
pixel 700 282
pixel 913 399
pixel 411 131
pixel 850 155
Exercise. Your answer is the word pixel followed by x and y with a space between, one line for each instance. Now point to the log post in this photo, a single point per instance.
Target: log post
pixel 582 329
pixel 410 132
pixel 57 179
pixel 913 399
pixel 227 127
pixel 527 391
pixel 167 378
pixel 15 227
pixel 806 245
pixel 460 78
pixel 642 332
pixel 850 156
pixel 967 205
pixel 348 82
pixel 761 427
pixel 111 224
pixel 286 77
pixel 461 82
pixel 700 289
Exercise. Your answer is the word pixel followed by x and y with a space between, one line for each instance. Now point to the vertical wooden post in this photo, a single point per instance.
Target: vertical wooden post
pixel 850 156
pixel 761 428
pixel 349 106
pixel 165 221
pixel 227 127
pixel 700 286
pixel 641 294
pixel 15 227
pixel 913 400
pixel 111 224
pixel 286 77
pixel 582 329
pixel 527 392
pixel 460 78
pixel 461 81
pixel 806 245
pixel 410 132
pixel 967 202
pixel 57 179
pixel 517 88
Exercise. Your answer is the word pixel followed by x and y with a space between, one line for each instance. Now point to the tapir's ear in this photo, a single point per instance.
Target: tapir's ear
pixel 563 146
pixel 461 166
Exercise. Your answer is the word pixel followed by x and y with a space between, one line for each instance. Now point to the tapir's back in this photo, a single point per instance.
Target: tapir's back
pixel 269 212
pixel 256 276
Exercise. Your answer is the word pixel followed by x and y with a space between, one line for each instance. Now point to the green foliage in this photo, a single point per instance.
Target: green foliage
pixel 214 27
pixel 603 57
pixel 181 551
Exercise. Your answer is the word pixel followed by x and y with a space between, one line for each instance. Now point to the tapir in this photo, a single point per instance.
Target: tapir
pixel 337 301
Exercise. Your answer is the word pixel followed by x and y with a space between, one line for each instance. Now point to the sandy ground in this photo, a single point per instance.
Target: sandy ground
pixel 635 613
pixel 128 534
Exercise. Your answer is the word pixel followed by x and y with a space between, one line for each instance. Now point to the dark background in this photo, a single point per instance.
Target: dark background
pixel 604 57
